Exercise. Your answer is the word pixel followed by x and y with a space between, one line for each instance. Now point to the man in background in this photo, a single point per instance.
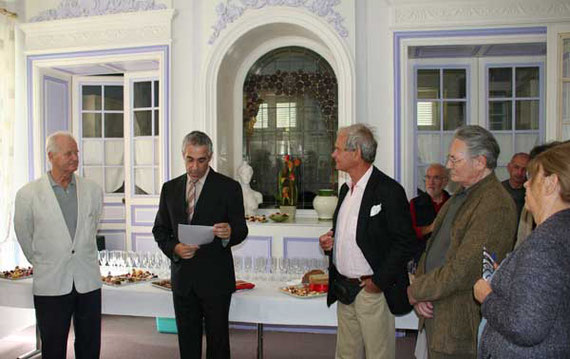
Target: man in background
pixel 370 243
pixel 517 178
pixel 203 277
pixel 426 205
pixel 55 220
pixel 481 214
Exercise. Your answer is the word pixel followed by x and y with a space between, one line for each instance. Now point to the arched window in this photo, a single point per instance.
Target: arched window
pixel 290 108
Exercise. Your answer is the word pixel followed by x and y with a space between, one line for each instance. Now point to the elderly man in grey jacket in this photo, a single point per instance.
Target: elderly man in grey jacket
pixel 480 214
pixel 55 220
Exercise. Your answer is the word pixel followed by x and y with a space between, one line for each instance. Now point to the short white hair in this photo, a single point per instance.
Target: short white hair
pixel 51 141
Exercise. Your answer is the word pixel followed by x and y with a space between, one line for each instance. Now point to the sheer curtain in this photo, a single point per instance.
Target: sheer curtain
pixel 8 248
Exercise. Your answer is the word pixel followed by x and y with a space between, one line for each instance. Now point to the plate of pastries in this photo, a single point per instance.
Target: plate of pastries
pixel 163 284
pixel 314 284
pixel 256 219
pixel 17 273
pixel 135 276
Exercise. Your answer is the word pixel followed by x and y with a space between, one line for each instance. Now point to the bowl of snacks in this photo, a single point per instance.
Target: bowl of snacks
pixel 279 217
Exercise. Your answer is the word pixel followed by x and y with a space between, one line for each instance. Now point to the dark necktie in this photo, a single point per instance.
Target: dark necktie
pixel 191 198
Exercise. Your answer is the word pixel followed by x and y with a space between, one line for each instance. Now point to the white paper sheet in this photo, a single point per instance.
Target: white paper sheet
pixel 199 235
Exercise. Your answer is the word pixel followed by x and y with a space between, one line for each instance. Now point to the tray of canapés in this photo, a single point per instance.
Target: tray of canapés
pixel 256 219
pixel 166 285
pixel 17 273
pixel 134 277
pixel 314 284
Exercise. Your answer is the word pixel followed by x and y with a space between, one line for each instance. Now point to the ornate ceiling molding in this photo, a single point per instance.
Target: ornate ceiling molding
pixel 482 13
pixel 229 12
pixel 74 8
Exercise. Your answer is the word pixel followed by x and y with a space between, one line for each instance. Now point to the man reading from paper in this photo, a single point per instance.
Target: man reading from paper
pixel 203 278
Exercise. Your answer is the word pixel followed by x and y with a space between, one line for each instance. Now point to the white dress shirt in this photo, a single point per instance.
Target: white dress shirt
pixel 349 259
pixel 199 185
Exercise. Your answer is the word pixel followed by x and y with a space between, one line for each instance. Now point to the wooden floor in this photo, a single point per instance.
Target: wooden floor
pixel 136 337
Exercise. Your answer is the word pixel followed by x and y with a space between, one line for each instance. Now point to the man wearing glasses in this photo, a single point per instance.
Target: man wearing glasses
pixel 425 207
pixel 481 214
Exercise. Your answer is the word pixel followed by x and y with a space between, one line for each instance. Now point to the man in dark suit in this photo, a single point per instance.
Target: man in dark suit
pixel 371 241
pixel 203 278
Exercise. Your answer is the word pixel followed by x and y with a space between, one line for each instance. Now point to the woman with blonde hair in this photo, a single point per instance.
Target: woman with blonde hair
pixel 527 302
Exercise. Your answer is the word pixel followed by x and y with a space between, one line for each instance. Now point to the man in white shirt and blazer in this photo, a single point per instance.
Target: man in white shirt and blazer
pixel 55 220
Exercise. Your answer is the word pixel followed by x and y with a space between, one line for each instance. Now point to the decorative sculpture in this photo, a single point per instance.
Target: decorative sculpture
pixel 251 198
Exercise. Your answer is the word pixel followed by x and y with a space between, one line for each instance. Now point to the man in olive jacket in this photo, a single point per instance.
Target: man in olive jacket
pixel 480 214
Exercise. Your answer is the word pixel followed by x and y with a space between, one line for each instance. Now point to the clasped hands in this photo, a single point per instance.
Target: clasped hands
pixel 187 251
pixel 424 309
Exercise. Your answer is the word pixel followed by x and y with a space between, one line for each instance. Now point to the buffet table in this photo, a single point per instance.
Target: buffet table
pixel 264 304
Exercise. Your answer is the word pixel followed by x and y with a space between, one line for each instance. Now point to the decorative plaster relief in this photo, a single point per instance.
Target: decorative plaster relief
pixel 228 12
pixel 98 37
pixel 75 8
pixel 496 12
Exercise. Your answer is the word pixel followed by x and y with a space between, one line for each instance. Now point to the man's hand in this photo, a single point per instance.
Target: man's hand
pixel 481 290
pixel 424 309
pixel 326 241
pixel 425 230
pixel 222 230
pixel 411 298
pixel 369 286
pixel 186 251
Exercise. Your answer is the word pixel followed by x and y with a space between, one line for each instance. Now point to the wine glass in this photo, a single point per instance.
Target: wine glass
pixel 247 266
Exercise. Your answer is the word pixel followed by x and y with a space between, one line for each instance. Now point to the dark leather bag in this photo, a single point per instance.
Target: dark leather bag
pixel 345 291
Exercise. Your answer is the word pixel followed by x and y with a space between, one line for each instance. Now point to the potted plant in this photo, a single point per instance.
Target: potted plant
pixel 287 194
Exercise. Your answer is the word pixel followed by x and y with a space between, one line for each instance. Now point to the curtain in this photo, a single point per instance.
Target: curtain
pixel 7 119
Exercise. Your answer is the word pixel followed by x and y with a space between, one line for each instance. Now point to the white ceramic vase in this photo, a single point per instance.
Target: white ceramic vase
pixel 325 203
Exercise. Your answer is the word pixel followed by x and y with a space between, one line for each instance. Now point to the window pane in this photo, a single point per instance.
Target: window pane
pixel 428 148
pixel 114 98
pixel 143 151
pixel 91 98
pixel 114 152
pixel 262 118
pixel 428 116
pixel 142 94
pixel 566 102
pixel 454 83
pixel 114 180
pixel 454 114
pixel 156 127
pixel 91 125
pixel 92 152
pixel 286 115
pixel 428 84
pixel 144 180
pixel 143 124
pixel 446 142
pixel 156 103
pixel 527 84
pixel 94 174
pixel 500 82
pixel 500 115
pixel 527 115
pixel 506 144
pixel 113 125
pixel 524 142
pixel 566 58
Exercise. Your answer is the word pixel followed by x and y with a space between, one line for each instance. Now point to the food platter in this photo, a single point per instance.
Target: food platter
pixel 301 291
pixel 134 277
pixel 163 284
pixel 17 273
pixel 256 219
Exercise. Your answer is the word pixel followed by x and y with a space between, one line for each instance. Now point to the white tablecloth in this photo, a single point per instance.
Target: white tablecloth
pixel 264 304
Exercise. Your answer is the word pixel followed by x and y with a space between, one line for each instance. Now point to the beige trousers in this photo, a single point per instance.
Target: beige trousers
pixel 366 325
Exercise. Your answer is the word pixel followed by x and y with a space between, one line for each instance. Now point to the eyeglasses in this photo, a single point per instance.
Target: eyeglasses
pixel 454 161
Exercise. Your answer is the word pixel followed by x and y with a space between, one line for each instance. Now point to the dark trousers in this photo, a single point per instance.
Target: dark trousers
pixel 53 316
pixel 191 310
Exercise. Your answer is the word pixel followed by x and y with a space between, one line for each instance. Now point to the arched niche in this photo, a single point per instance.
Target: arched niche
pixel 252 36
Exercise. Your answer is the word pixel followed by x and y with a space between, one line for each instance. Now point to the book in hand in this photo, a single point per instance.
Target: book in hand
pixel 489 264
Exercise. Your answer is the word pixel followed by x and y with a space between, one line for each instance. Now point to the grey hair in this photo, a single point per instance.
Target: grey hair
pixel 480 142
pixel 444 170
pixel 51 141
pixel 197 138
pixel 360 136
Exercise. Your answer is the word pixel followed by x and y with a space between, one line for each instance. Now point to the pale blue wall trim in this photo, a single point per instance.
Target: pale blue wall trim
pixel 62 125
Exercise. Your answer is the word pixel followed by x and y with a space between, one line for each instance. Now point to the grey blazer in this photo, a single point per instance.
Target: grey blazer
pixel 528 312
pixel 42 233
